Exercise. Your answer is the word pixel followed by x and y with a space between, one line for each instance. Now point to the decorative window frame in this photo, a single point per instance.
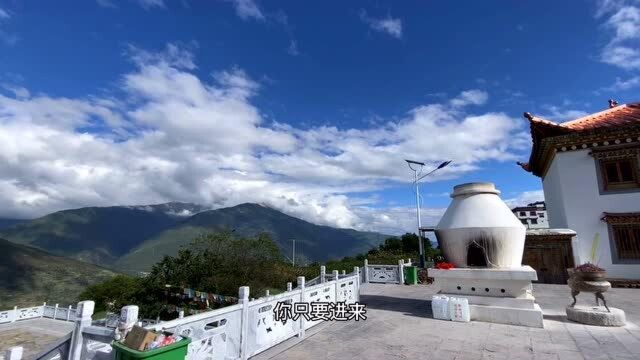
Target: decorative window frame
pixel 613 219
pixel 601 156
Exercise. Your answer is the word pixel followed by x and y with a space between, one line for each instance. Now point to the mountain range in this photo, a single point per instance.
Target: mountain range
pixel 132 238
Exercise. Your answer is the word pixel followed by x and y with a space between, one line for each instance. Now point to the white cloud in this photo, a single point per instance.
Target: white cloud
pixel 624 23
pixel 248 9
pixel 149 4
pixel 106 3
pixel 397 220
pixel 389 25
pixel 17 91
pixel 524 198
pixel 176 137
pixel 7 37
pixel 293 48
pixel 470 97
pixel 559 114
pixel 625 57
pixel 4 15
pixel 622 85
pixel 174 55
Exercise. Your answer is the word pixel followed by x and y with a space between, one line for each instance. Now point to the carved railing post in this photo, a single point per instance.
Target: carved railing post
pixel 344 272
pixel 356 271
pixel 83 319
pixel 323 273
pixel 301 285
pixel 243 298
pixel 14 317
pixel 266 292
pixel 128 318
pixel 365 268
pixel 400 271
pixel 289 286
pixel 44 307
pixel 55 311
pixel 13 353
pixel 69 313
pixel 336 276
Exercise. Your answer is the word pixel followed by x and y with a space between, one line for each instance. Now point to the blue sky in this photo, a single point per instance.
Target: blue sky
pixel 308 107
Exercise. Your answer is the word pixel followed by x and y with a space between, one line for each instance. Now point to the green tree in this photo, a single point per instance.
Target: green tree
pixel 391 244
pixel 410 243
pixel 216 263
pixel 112 294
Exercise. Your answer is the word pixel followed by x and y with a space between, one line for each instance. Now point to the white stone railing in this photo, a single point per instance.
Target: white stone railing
pixel 386 274
pixel 233 332
pixel 324 277
pixel 44 310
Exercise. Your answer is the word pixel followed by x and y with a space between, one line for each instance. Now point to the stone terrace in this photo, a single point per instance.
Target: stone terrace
pixel 34 335
pixel 400 326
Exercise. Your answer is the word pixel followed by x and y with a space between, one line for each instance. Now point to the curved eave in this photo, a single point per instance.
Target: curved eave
pixel 541 129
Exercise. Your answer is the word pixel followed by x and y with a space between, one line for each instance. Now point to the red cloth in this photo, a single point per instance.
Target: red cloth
pixel 444 266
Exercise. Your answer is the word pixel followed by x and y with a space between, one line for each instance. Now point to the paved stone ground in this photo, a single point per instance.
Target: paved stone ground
pixel 34 335
pixel 400 326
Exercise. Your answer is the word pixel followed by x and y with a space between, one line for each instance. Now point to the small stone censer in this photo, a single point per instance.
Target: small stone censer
pixel 588 278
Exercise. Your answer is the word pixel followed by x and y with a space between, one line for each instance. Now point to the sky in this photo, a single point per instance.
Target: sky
pixel 307 107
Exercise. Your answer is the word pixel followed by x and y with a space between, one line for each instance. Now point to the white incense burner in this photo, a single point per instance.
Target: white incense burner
pixel 485 241
pixel 479 229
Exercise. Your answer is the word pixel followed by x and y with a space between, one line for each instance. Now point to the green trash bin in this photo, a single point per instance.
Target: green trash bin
pixel 175 351
pixel 411 275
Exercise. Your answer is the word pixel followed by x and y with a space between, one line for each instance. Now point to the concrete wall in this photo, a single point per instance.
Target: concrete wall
pixel 573 201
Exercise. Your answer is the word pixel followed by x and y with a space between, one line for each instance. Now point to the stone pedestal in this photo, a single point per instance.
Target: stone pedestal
pixel 596 315
pixel 495 295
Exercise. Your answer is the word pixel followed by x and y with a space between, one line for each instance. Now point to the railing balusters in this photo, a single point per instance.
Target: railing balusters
pixel 88 342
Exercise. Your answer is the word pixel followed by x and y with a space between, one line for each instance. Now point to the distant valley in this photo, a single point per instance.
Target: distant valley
pixel 32 276
pixel 132 238
pixel 5 223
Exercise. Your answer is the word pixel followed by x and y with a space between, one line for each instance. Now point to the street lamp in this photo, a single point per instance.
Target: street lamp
pixel 417 176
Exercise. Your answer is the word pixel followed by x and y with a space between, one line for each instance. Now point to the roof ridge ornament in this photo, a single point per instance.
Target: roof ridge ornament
pixel 528 115
pixel 612 103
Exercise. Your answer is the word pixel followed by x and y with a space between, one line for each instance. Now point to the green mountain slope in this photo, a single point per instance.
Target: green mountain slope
pixel 98 235
pixel 32 276
pixel 7 223
pixel 314 242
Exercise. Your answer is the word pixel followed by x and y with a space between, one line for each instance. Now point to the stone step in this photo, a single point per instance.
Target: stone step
pixel 523 302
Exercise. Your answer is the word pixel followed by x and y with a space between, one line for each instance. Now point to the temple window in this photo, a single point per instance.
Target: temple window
pixel 618 170
pixel 624 236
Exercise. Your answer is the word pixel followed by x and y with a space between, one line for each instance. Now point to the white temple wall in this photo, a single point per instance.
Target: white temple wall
pixel 574 201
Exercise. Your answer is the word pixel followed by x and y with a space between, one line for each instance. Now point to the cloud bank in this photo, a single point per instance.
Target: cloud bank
pixel 175 137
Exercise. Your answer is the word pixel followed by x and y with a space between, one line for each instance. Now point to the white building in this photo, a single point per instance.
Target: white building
pixel 590 175
pixel 533 216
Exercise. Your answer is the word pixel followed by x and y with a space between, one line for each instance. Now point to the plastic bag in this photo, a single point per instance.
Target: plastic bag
pixel 459 309
pixel 440 307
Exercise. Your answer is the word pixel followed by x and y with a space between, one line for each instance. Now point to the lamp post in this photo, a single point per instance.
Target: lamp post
pixel 417 176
